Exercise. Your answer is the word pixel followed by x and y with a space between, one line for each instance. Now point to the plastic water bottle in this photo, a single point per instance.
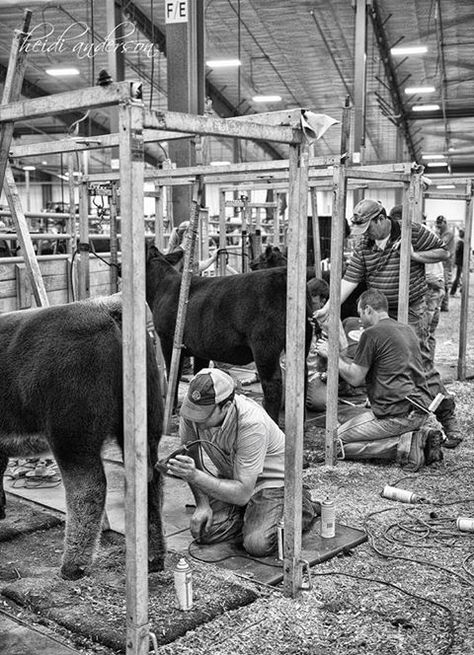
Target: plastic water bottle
pixel 183 584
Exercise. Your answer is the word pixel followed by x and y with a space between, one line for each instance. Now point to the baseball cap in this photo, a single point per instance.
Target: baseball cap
pixel 207 389
pixel 364 212
pixel 440 219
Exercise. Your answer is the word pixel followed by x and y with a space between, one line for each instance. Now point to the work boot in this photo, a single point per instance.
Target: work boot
pixel 416 455
pixel 446 416
pixel 432 450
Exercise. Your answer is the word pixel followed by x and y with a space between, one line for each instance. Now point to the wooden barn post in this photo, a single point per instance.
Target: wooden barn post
pixel 134 376
pixel 295 364
pixel 465 284
pixel 316 235
pixel 411 213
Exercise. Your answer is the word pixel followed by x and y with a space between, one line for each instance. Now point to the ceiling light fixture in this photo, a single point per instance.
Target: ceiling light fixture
pixel 62 72
pixel 420 89
pixel 29 168
pixel 220 163
pixel 445 186
pixel 433 156
pixel 266 98
pixel 433 164
pixel 224 63
pixel 409 50
pixel 425 107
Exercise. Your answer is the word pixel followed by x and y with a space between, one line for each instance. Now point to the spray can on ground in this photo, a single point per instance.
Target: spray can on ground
pixel 281 539
pixel 403 495
pixel 183 584
pixel 465 524
pixel 328 519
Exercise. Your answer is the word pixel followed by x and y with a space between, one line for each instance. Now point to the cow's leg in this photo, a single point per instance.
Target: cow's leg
pixel 85 486
pixel 3 466
pixel 156 539
pixel 268 367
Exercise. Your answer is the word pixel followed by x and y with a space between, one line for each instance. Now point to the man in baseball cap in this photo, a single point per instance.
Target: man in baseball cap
pixel 364 212
pixel 243 503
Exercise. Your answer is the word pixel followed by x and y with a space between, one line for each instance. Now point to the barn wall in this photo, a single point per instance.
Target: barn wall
pixel 15 289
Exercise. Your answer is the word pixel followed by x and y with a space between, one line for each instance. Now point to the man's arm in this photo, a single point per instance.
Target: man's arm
pixel 235 492
pixel 352 373
pixel 429 256
pixel 346 289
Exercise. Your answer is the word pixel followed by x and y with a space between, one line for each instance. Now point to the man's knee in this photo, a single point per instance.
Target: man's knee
pixel 258 544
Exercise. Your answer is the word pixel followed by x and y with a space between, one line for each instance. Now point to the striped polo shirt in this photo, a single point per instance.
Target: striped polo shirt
pixel 381 268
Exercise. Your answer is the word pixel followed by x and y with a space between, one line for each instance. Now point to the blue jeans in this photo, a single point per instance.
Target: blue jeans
pixel 255 524
pixel 367 437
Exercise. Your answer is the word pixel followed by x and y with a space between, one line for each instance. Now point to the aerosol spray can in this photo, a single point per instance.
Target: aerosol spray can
pixel 465 524
pixel 403 495
pixel 183 584
pixel 328 519
pixel 281 539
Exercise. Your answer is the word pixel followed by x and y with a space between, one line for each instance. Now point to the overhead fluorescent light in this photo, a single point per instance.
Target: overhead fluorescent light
pixel 420 89
pixel 425 107
pixel 62 72
pixel 29 168
pixel 445 186
pixel 409 50
pixel 220 163
pixel 266 98
pixel 223 63
pixel 433 164
pixel 433 156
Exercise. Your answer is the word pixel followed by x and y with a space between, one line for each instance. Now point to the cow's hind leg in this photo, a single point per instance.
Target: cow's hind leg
pixel 268 367
pixel 156 539
pixel 3 466
pixel 85 486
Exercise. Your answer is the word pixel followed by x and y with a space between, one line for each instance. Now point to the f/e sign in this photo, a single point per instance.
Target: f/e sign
pixel 176 11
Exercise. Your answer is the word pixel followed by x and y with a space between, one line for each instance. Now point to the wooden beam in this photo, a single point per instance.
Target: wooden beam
pixel 466 267
pixel 295 366
pixel 134 378
pixel 207 125
pixel 58 103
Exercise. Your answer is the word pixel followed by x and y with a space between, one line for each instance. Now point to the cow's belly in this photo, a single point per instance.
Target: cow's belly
pixel 21 445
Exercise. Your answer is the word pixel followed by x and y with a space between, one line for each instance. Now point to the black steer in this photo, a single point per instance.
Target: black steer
pixel 61 390
pixel 236 319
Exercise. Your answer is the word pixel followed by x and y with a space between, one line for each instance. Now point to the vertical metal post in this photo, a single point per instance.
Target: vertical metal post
pixel 359 82
pixel 411 213
pixel 113 238
pixel 71 221
pixel 134 376
pixel 466 267
pixel 222 234
pixel 295 364
pixel 316 235
pixel 83 265
pixel 337 242
pixel 159 218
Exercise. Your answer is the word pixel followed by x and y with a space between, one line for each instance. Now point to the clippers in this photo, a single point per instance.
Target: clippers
pixel 162 464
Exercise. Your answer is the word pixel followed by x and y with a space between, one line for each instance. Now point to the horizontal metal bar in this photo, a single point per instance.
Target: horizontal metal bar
pixel 227 127
pixel 79 144
pixel 46 236
pixel 81 100
pixel 431 195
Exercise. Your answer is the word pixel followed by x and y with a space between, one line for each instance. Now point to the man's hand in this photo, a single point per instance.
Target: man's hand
pixel 183 467
pixel 321 315
pixel 201 521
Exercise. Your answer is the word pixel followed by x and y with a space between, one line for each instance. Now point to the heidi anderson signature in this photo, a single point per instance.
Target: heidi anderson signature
pixel 42 39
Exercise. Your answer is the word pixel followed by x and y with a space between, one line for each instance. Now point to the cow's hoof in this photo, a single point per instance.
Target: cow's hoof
pixel 72 572
pixel 156 564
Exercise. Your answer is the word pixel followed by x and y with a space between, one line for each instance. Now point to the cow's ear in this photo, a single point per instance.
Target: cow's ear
pixel 268 251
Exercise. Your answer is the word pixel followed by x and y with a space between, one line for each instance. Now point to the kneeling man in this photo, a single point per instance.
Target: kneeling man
pixel 243 503
pixel 398 425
